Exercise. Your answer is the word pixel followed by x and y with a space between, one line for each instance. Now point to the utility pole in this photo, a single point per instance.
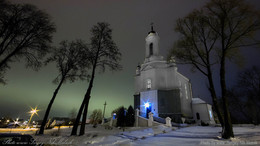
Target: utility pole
pixel 103 120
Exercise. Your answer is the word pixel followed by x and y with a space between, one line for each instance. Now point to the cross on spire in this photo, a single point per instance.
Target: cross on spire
pixel 152 31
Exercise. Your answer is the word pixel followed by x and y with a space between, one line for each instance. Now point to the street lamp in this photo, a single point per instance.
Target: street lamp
pixel 32 112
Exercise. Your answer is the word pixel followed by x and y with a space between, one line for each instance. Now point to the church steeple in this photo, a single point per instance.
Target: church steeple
pixel 152 44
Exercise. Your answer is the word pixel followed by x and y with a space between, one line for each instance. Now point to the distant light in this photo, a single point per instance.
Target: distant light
pixel 147 104
pixel 17 121
pixel 32 112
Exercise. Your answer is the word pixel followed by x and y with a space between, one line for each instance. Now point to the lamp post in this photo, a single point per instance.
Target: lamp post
pixel 32 112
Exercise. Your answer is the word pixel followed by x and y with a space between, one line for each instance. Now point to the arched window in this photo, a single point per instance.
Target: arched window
pixel 151 49
pixel 149 84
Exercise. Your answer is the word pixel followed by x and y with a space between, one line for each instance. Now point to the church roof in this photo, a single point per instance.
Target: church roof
pixel 198 101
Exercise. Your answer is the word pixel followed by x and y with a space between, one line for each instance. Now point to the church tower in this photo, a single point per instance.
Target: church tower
pixel 152 46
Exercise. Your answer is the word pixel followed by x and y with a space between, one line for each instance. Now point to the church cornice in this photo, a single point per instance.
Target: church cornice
pixel 183 76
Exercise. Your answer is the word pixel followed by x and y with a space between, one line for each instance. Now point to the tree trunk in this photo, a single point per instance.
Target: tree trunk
pixel 85 102
pixel 84 105
pixel 214 98
pixel 87 98
pixel 228 129
pixel 76 122
pixel 83 123
pixel 44 121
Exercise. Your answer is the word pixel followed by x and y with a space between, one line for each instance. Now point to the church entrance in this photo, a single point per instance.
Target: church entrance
pixel 198 116
pixel 148 110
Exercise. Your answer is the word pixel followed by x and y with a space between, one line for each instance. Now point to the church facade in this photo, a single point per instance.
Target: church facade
pixel 159 87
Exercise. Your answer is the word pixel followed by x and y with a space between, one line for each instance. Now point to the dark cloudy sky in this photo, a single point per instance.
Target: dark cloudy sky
pixel 130 21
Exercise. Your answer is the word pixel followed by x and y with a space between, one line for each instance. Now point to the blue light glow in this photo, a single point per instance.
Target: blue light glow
pixel 147 104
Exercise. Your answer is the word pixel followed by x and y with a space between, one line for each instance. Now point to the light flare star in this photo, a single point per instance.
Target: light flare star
pixel 32 112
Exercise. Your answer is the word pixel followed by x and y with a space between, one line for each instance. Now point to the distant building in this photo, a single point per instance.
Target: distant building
pixel 202 111
pixel 159 87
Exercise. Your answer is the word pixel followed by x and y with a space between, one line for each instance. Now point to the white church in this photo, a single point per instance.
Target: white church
pixel 162 90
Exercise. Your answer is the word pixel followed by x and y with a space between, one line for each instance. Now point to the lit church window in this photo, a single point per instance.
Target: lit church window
pixel 149 83
pixel 186 92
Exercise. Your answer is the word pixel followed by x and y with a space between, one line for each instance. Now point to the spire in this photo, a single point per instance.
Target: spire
pixel 152 31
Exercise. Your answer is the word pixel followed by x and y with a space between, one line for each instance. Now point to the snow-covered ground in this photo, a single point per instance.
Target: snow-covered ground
pixel 198 135
pixel 158 135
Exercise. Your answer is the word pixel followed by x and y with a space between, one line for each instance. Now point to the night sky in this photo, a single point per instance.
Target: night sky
pixel 130 21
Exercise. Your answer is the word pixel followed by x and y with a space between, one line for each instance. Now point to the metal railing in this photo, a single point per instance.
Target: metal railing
pixel 159 119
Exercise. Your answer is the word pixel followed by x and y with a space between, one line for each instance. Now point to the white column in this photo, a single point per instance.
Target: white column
pixel 168 121
pixel 111 121
pixel 136 117
pixel 150 120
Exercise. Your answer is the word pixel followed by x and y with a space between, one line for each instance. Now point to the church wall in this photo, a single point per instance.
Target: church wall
pixel 166 78
pixel 172 81
pixel 169 101
pixel 186 97
pixel 137 101
pixel 145 75
pixel 138 84
pixel 151 97
pixel 162 79
pixel 159 79
pixel 161 76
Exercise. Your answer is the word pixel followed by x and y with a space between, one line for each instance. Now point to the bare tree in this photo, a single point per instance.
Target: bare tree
pixel 104 54
pixel 247 94
pixel 196 48
pixel 212 35
pixel 25 32
pixel 71 59
pixel 96 117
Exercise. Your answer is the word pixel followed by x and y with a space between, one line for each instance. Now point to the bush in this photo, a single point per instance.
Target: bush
pixel 124 117
pixel 130 116
pixel 121 117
